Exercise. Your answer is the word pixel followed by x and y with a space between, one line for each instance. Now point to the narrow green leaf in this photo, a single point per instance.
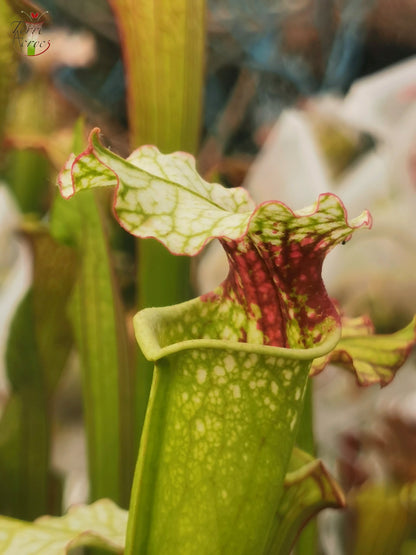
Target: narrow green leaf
pixel 38 345
pixel 100 331
pixel 24 456
pixel 52 328
pixel 374 359
pixel 101 524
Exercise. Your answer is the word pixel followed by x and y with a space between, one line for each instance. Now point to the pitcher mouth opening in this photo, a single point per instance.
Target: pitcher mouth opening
pixel 155 333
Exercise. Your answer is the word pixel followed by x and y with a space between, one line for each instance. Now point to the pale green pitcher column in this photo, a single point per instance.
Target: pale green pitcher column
pixel 220 430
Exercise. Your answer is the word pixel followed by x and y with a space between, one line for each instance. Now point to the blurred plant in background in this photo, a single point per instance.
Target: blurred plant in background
pixel 274 118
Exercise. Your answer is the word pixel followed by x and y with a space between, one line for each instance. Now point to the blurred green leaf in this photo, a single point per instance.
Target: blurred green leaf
pixel 383 517
pixel 163 49
pixel 8 61
pixel 408 548
pixel 99 324
pixel 101 524
pixel 27 175
pixel 39 342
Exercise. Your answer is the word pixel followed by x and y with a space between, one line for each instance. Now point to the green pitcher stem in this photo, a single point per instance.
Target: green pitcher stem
pixel 308 540
pixel 305 438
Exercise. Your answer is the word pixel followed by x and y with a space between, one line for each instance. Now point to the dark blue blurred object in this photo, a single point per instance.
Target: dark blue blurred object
pixel 99 88
pixel 94 90
pixel 296 48
pixel 345 58
pixel 259 40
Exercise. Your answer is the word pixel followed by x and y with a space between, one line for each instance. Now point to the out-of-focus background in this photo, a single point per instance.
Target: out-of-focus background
pixel 300 97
